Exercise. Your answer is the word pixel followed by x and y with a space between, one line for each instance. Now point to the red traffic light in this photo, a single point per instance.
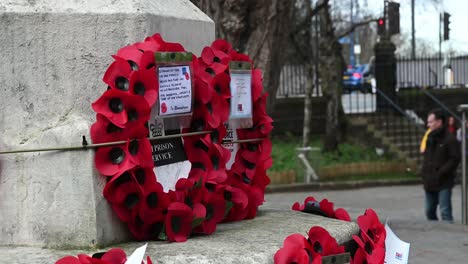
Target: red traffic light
pixel 381 22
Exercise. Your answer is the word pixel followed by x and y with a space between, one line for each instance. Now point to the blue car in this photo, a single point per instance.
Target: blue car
pixel 359 78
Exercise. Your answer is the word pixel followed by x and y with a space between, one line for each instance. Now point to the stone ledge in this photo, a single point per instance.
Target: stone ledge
pixel 249 241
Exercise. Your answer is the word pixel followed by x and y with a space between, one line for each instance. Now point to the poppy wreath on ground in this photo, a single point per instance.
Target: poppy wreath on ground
pixel 366 247
pixel 113 256
pixel 211 193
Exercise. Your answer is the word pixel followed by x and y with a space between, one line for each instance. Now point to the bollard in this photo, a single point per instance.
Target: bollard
pixel 464 108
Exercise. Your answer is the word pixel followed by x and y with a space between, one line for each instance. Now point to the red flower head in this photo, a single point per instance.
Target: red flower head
pixel 239 200
pixel 221 45
pixel 368 251
pixel 143 176
pixel 117 75
pixel 128 199
pixel 115 160
pixel 220 85
pixel 137 59
pixel 215 58
pixel 236 56
pixel 370 224
pixel 322 243
pixel 327 207
pixel 121 108
pixel 207 72
pixel 178 222
pixel 215 112
pixel 144 83
pixel 210 158
pixel 342 214
pixel 296 249
pixel 104 130
pixel 300 207
pixel 154 205
pixel 215 207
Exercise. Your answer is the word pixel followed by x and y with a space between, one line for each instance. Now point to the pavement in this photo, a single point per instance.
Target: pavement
pixel 399 204
pixel 403 207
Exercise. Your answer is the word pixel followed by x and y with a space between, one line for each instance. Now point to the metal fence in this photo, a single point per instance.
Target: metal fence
pixel 431 71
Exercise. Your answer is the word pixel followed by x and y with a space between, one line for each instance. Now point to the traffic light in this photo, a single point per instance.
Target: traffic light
pixel 446 25
pixel 393 18
pixel 381 26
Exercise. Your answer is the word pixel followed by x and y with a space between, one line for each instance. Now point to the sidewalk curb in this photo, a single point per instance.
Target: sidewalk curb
pixel 344 185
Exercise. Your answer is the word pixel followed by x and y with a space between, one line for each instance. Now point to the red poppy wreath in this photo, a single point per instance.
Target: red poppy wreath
pixel 211 193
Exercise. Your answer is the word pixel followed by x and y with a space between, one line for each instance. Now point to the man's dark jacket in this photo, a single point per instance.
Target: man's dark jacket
pixel 441 159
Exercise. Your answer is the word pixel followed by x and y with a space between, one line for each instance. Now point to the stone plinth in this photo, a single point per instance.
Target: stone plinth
pixel 53 56
pixel 249 241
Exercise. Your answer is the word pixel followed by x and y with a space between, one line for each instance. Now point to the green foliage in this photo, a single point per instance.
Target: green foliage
pixel 197 221
pixel 162 235
pixel 284 154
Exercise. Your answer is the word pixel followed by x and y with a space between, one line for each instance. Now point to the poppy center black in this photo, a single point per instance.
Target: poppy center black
pixel 210 71
pixel 188 201
pixel 210 108
pixel 317 247
pixel 139 88
pixel 218 88
pixel 209 211
pixel 215 162
pixel 368 247
pixel 133 147
pixel 252 147
pixel 210 187
pixel 246 179
pixel 214 136
pixel 132 115
pixel 111 128
pixel 176 224
pixel 156 228
pixel 216 59
pixel 249 164
pixel 198 165
pixel 199 144
pixel 140 176
pixel 125 177
pixel 152 200
pixel 227 195
pixel 116 155
pixel 98 255
pixel 131 200
pixel 121 83
pixel 133 65
pixel 116 105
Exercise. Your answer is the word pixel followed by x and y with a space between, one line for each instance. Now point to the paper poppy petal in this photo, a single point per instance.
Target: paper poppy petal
pixel 68 260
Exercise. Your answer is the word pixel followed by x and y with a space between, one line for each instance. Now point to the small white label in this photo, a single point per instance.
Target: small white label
pixel 175 90
pixel 137 256
pixel 241 95
pixel 233 147
pixel 169 174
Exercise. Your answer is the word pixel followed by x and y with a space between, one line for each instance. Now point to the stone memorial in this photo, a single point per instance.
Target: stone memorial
pixel 53 57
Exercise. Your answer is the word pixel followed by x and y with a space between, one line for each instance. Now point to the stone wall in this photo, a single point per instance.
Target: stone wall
pixel 53 57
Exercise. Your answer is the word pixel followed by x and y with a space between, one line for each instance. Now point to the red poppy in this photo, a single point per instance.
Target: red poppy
pixel 206 72
pixel 215 207
pixel 155 43
pixel 120 107
pixel 299 207
pixel 144 177
pixel 199 211
pixel 323 243
pixel 140 152
pixel 113 160
pixel 104 130
pixel 212 159
pixel 342 214
pixel 154 204
pixel 117 75
pixel 221 45
pixel 221 85
pixel 296 250
pixel 136 58
pixel 128 199
pixel 215 112
pixel 327 207
pixel 115 256
pixel 370 224
pixel 68 260
pixel 236 56
pixel 368 251
pixel 211 56
pixel 178 222
pixel 144 83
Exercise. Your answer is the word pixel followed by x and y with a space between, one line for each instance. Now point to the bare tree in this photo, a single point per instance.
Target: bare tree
pixel 259 28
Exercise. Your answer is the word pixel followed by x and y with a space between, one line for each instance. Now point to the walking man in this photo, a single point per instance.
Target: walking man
pixel 441 159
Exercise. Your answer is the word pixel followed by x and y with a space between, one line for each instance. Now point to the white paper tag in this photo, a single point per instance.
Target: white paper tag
pixel 137 255
pixel 396 250
pixel 241 95
pixel 231 135
pixel 175 90
pixel 168 175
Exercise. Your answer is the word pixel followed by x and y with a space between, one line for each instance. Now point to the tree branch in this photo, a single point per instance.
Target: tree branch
pixel 354 26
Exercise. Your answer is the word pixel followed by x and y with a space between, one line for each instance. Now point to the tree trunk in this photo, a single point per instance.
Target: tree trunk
pixel 259 28
pixel 331 69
